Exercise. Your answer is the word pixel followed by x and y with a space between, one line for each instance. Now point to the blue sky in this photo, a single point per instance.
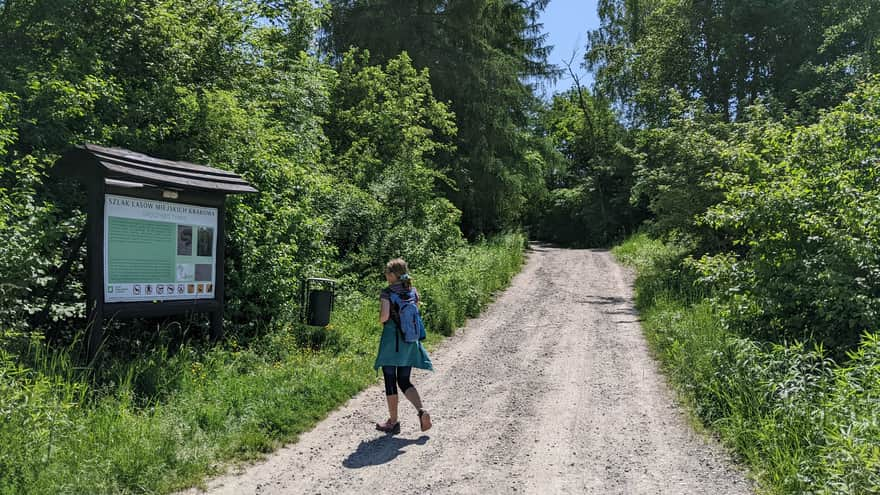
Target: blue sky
pixel 566 22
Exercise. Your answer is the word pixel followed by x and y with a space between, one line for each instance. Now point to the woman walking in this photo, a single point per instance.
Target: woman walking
pixel 396 357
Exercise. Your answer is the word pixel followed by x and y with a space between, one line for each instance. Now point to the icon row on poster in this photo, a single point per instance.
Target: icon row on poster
pixel 171 289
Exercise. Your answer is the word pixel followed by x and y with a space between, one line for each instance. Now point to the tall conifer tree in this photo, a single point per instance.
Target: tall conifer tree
pixel 484 57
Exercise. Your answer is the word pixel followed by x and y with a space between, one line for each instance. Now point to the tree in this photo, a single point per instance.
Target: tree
pixel 731 54
pixel 480 53
pixel 388 135
pixel 221 83
pixel 588 201
pixel 849 52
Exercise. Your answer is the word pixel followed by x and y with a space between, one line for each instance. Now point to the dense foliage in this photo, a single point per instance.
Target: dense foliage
pixel 803 208
pixel 738 155
pixel 388 134
pixel 801 55
pixel 484 57
pixel 781 218
pixel 354 162
pixel 588 185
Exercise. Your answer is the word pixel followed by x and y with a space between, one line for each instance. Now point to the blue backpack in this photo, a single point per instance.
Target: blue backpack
pixel 410 323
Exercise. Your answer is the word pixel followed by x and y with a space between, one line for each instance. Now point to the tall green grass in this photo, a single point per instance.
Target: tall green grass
pixel 462 284
pixel 164 421
pixel 803 423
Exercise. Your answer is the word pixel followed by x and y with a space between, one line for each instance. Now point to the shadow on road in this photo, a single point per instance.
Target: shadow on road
pixel 545 246
pixel 380 450
pixel 541 247
pixel 604 300
pixel 612 301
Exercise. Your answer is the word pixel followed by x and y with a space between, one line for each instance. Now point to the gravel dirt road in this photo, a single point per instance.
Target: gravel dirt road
pixel 551 390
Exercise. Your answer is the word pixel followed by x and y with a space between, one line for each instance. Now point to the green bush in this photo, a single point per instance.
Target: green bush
pixel 674 170
pixel 804 218
pixel 459 286
pixel 388 132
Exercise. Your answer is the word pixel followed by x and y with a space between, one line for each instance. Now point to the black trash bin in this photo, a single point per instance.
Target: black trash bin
pixel 318 295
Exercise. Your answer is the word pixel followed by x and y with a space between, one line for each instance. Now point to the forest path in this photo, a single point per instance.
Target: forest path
pixel 551 390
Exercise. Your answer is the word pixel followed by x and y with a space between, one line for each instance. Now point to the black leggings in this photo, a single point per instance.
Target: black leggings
pixel 401 379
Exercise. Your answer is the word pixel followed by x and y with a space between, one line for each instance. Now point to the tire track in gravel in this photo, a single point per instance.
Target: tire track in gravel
pixel 551 390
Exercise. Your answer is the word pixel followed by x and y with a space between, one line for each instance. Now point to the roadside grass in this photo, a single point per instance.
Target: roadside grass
pixel 803 423
pixel 166 421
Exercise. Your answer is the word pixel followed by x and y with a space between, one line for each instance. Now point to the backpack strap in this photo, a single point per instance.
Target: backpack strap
pixel 395 300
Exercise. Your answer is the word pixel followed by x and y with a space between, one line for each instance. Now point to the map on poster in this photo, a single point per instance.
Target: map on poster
pixel 158 251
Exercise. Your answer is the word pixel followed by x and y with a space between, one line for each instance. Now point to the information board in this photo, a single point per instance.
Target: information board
pixel 158 251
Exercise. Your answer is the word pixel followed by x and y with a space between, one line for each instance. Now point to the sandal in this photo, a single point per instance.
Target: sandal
pixel 388 427
pixel 424 420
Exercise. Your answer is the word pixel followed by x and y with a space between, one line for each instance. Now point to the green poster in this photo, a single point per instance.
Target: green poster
pixel 140 250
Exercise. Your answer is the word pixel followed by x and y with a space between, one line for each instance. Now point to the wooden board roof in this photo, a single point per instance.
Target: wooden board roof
pixel 120 164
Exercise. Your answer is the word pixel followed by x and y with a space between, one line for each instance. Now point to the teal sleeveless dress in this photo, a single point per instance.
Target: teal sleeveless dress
pixel 393 351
